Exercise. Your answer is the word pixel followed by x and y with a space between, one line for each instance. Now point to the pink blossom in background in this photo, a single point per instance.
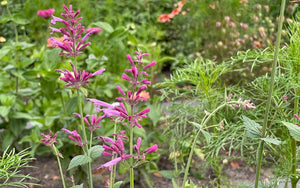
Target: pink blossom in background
pixel 46 13
pixel 75 137
pixel 48 140
pixel 93 30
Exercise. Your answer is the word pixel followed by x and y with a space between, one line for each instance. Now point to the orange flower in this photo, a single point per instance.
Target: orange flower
pixel 181 3
pixel 164 18
pixel 50 43
pixel 257 44
pixel 2 39
pixel 213 6
pixel 144 95
pixel 175 12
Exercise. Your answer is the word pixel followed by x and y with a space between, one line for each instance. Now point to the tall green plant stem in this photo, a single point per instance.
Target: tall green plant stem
pixel 274 65
pixel 80 103
pixel 204 122
pixel 59 165
pixel 131 150
pixel 294 179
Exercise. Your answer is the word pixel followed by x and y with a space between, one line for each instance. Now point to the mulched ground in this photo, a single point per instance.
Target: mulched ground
pixel 46 170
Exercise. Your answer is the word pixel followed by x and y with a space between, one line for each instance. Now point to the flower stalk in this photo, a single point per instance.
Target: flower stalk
pixel 274 65
pixel 57 154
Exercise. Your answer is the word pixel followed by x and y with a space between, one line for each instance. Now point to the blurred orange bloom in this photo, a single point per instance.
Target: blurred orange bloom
pixel 181 3
pixel 212 6
pixel 164 18
pixel 2 39
pixel 175 12
pixel 257 44
pixel 50 42
pixel 144 95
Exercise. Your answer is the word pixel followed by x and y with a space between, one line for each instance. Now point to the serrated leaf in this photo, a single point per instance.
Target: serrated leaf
pixel 293 129
pixel 71 105
pixel 4 110
pixel 5 50
pixel 252 128
pixel 96 151
pixel 78 186
pixel 271 140
pixel 79 160
pixel 167 174
pixel 118 184
pixel 105 26
pixel 21 115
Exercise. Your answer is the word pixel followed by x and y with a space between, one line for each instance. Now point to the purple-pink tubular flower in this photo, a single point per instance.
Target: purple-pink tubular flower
pixel 115 161
pixel 76 78
pixel 93 124
pixel 147 151
pixel 116 148
pixel 297 117
pixel 150 65
pixel 46 13
pixel 72 32
pixel 93 30
pixel 75 137
pixel 48 140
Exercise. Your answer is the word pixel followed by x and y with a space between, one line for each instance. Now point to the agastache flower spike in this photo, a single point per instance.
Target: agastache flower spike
pixel 48 141
pixel 76 78
pixel 147 151
pixel 72 32
pixel 74 136
pixel 94 121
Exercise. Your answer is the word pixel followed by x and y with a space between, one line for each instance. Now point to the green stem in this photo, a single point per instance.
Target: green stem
pixel 131 152
pixel 64 108
pixel 294 179
pixel 85 139
pixel 204 121
pixel 59 165
pixel 274 65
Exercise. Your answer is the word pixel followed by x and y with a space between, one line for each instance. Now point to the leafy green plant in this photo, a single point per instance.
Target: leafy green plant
pixel 11 164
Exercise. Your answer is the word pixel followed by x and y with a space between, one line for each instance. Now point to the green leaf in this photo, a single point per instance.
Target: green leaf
pixel 33 76
pixel 17 126
pixel 4 18
pixel 139 132
pixel 206 135
pixel 78 186
pixel 167 174
pixel 4 110
pixel 8 139
pixel 252 128
pixel 271 140
pixel 123 168
pixel 96 151
pixel 293 129
pixel 118 33
pixel 79 160
pixel 71 105
pixel 5 50
pixel 155 113
pixel 174 183
pixel 19 20
pixel 195 124
pixel 118 184
pixel 105 26
pixel 21 115
pixel 51 59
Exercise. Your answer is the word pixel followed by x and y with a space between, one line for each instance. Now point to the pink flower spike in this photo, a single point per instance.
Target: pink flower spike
pixel 56 19
pixel 125 77
pixel 151 149
pixel 107 139
pixel 101 103
pixel 137 123
pixel 94 30
pixel 297 117
pixel 143 87
pixel 111 163
pixel 45 13
pixel 143 112
pixel 98 72
pixel 130 60
pixel 138 145
pixel 48 141
pixel 150 65
pixel 106 153
pixel 121 90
